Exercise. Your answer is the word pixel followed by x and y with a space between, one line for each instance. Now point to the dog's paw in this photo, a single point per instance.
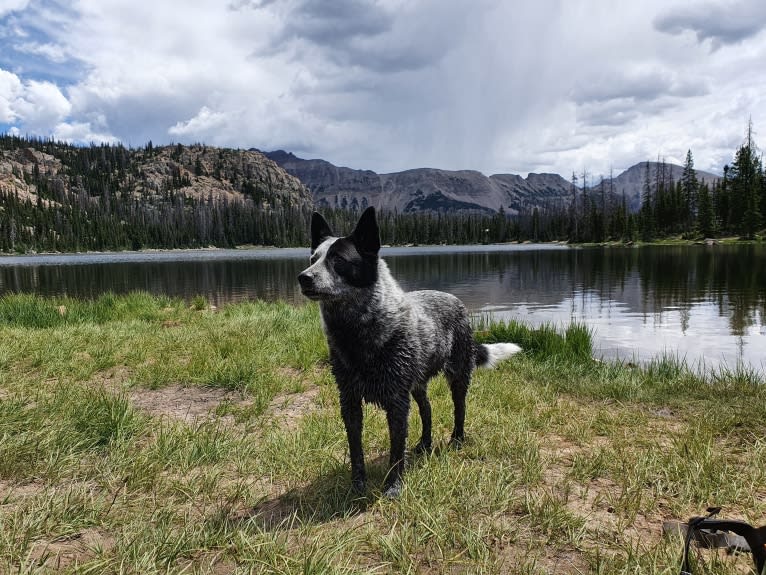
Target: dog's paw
pixel 359 486
pixel 456 442
pixel 423 449
pixel 394 490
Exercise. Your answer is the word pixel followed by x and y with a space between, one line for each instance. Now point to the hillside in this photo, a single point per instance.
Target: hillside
pixel 54 196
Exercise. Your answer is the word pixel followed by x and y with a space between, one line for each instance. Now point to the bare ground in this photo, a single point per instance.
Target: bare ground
pixel 67 552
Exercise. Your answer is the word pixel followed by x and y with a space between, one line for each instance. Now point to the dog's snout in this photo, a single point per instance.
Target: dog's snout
pixel 305 280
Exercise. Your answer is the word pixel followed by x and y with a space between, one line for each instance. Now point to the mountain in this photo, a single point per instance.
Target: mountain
pixel 433 190
pixel 631 181
pixel 422 189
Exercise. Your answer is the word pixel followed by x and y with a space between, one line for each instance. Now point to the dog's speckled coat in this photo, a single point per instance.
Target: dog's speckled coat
pixel 386 344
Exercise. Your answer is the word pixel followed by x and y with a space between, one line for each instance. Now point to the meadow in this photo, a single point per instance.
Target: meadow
pixel 142 434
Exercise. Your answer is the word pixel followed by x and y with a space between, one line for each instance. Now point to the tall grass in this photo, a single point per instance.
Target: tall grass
pixel 574 343
pixel 34 311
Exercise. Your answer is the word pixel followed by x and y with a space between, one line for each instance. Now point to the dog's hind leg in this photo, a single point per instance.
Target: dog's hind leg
pixel 396 414
pixel 459 387
pixel 420 396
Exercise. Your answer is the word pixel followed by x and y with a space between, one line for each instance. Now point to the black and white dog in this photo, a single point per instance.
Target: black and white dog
pixel 386 344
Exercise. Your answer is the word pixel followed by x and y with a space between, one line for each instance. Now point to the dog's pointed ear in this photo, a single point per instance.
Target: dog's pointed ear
pixel 320 230
pixel 366 234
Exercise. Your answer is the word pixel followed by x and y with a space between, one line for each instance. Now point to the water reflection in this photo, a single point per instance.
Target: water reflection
pixel 705 303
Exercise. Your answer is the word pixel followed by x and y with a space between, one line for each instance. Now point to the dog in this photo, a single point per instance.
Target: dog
pixel 386 344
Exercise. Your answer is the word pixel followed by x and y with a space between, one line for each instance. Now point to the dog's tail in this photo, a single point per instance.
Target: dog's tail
pixel 490 354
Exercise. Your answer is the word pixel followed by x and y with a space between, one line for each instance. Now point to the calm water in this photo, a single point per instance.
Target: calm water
pixel 702 303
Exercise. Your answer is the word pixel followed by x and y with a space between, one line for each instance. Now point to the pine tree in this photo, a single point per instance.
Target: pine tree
pixel 705 215
pixel 690 189
pixel 647 222
pixel 746 172
pixel 574 234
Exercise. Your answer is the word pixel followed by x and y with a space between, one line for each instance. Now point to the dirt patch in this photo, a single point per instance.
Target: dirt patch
pixel 518 549
pixel 610 513
pixel 194 403
pixel 562 561
pixel 208 562
pixel 292 372
pixel 11 492
pixel 287 409
pixel 114 379
pixel 187 404
pixel 71 550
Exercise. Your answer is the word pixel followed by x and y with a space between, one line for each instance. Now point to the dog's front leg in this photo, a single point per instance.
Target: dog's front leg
pixel 351 410
pixel 396 414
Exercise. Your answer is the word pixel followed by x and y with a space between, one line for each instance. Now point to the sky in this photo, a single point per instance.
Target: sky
pixel 388 85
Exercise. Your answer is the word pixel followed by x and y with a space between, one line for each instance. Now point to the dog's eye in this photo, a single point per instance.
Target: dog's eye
pixel 337 260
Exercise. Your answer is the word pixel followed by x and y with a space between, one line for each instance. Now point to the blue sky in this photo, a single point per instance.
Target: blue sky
pixel 494 86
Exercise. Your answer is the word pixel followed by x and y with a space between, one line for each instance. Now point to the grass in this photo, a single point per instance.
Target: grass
pixel 145 435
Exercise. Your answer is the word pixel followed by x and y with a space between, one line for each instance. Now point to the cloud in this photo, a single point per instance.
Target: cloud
pixel 10 88
pixel 642 83
pixel 7 6
pixel 720 23
pixel 41 104
pixel 36 105
pixel 336 23
pixel 52 52
pixel 382 37
pixel 81 132
pixel 203 123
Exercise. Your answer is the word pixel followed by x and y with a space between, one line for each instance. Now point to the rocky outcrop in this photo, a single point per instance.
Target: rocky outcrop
pixel 18 167
pixel 198 171
pixel 219 173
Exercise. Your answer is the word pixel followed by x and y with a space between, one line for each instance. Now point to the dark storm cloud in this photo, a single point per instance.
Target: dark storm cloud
pixel 361 33
pixel 720 23
pixel 236 5
pixel 637 86
pixel 333 23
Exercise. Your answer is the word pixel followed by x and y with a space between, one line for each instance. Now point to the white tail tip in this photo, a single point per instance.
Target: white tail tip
pixel 497 352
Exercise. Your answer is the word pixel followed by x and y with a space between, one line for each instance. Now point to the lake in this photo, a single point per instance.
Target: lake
pixel 704 303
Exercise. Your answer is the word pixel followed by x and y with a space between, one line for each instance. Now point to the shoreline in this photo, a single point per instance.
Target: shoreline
pixel 672 241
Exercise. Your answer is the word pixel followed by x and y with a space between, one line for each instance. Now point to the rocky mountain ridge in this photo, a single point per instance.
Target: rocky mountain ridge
pixel 434 190
pixel 421 189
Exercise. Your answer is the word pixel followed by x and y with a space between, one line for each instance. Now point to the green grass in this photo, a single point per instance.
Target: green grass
pixel 146 435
